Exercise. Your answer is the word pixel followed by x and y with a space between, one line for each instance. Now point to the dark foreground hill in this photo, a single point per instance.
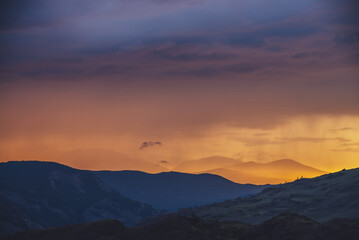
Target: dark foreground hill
pixel 36 195
pixel 322 198
pixel 285 226
pixel 174 190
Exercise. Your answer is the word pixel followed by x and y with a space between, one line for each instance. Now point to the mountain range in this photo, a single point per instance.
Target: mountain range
pixel 174 190
pixel 275 172
pixel 36 195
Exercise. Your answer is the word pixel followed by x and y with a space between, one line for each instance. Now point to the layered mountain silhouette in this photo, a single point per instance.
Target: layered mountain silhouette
pixel 35 195
pixel 285 226
pixel 174 190
pixel 280 171
pixel 38 195
pixel 322 198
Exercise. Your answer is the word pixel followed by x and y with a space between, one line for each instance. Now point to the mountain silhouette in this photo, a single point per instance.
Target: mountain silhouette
pixel 280 171
pixel 174 190
pixel 35 195
pixel 285 226
pixel 38 195
pixel 322 198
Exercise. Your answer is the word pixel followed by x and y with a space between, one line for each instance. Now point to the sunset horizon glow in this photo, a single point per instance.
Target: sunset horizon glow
pixel 87 83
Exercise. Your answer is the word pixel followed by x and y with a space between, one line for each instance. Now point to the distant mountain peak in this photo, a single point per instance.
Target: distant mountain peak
pixel 275 172
pixel 286 161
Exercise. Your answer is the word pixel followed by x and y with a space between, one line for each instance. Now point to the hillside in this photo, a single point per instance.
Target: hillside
pixel 173 190
pixel 280 171
pixel 284 226
pixel 322 198
pixel 35 195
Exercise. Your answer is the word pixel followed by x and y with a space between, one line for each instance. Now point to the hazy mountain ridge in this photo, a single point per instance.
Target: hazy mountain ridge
pixel 206 164
pixel 274 172
pixel 322 198
pixel 48 194
pixel 174 190
pixel 284 226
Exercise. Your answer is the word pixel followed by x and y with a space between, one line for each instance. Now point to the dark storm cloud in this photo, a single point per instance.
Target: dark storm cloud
pixel 187 53
pixel 244 54
pixel 344 12
pixel 109 23
pixel 213 71
pixel 78 71
pixel 347 38
pixel 257 37
pixel 54 71
pixel 301 55
pixel 274 48
pixel 91 28
pixel 21 14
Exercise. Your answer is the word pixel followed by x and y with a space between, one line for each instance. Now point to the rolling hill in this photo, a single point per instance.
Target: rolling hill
pixel 174 190
pixel 322 198
pixel 35 195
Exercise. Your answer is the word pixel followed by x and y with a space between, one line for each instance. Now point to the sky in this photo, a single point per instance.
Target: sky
pixel 101 84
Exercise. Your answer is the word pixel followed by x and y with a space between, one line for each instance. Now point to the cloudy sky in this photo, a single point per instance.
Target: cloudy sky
pixel 256 80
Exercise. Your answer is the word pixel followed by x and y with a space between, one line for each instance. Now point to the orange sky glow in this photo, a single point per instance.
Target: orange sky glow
pixel 87 86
